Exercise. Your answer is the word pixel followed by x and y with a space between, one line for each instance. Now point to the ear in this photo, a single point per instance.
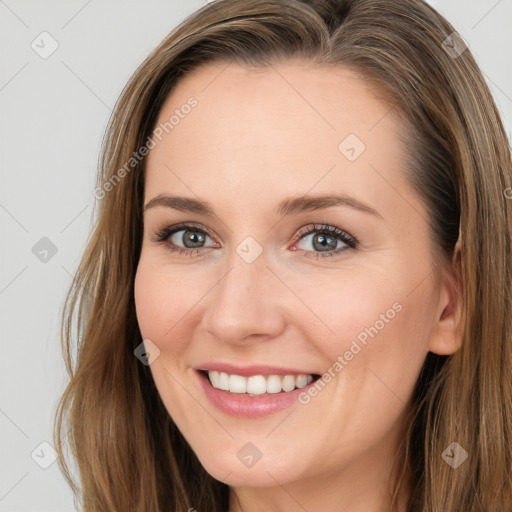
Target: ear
pixel 447 333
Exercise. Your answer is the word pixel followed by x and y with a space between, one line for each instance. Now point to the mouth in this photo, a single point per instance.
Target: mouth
pixel 253 391
pixel 257 385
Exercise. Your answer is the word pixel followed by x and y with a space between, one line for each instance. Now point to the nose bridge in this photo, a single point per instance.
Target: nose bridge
pixel 241 303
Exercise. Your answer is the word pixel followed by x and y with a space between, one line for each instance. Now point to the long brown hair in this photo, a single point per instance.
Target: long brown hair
pixel 129 453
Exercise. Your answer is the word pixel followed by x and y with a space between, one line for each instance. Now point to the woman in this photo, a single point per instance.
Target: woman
pixel 297 292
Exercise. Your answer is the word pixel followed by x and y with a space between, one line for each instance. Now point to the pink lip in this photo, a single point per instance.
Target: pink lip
pixel 250 406
pixel 247 371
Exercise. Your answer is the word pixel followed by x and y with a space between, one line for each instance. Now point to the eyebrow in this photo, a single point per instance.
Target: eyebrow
pixel 286 207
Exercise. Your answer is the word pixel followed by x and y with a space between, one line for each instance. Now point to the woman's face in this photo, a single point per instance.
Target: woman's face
pixel 272 280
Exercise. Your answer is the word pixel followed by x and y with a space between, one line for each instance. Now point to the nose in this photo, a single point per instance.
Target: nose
pixel 245 305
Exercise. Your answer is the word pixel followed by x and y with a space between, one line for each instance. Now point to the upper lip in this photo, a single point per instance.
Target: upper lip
pixel 254 369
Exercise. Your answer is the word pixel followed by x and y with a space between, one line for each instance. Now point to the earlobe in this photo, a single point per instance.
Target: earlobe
pixel 447 334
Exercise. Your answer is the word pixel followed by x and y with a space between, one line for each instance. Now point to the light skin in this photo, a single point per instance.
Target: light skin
pixel 256 138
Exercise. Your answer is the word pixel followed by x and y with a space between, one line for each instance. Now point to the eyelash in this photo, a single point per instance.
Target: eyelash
pixel 165 233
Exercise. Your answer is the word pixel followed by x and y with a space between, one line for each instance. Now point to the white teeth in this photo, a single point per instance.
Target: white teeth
pixel 237 384
pixel 223 381
pixel 258 384
pixel 288 383
pixel 274 384
pixel 302 380
pixel 214 378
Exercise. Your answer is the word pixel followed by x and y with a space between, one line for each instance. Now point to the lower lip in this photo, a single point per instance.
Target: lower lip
pixel 249 406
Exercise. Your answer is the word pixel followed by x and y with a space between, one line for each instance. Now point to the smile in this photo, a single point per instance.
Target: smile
pixel 256 385
pixel 260 392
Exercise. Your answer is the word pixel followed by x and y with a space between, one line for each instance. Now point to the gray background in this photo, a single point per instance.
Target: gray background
pixel 53 115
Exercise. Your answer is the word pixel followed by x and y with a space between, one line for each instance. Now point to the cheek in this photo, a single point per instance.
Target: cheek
pixel 164 304
pixel 162 300
pixel 373 330
pixel 373 359
pixel 347 306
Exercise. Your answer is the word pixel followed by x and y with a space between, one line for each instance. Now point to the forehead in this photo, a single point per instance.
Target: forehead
pixel 293 126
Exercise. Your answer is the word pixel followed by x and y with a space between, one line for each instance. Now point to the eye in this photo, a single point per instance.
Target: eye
pixel 322 240
pixel 190 236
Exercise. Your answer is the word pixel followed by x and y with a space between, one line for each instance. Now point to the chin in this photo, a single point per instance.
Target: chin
pixel 227 466
pixel 243 477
